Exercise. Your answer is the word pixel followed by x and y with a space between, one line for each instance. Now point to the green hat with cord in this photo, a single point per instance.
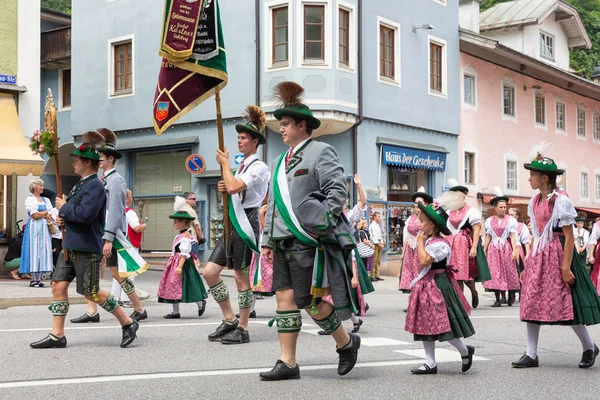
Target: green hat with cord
pixel 92 142
pixel 289 93
pixel 437 215
pixel 540 163
pixel 255 124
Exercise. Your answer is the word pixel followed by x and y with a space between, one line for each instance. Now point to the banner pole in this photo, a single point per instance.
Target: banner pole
pixel 225 195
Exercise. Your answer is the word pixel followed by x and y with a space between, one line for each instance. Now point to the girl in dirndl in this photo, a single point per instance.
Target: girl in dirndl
pixel 437 311
pixel 556 287
pixel 180 281
pixel 595 255
pixel 522 237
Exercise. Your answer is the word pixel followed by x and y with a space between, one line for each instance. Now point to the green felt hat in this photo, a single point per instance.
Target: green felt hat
pixel 252 130
pixel 255 123
pixel 289 95
pixel 182 215
pixel 110 150
pixel 438 216
pixel 578 219
pixel 300 112
pixel 86 151
pixel 545 165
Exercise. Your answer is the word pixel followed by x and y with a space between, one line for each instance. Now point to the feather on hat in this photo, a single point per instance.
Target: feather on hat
pixel 177 206
pixel 92 141
pixel 541 163
pixel 110 146
pixel 289 96
pixel 256 121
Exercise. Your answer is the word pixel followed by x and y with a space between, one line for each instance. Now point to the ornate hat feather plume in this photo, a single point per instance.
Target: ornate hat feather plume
pixel 539 150
pixel 289 93
pixel 179 203
pixel 92 139
pixel 452 182
pixel 256 116
pixel 109 136
pixel 497 191
pixel 582 214
pixel 451 201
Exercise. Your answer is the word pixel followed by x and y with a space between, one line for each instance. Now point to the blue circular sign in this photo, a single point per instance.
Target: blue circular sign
pixel 195 164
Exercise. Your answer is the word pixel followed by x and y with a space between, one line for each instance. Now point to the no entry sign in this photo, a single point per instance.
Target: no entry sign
pixel 195 164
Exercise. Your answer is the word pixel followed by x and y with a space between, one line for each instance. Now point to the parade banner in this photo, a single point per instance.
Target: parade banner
pixel 182 85
pixel 179 29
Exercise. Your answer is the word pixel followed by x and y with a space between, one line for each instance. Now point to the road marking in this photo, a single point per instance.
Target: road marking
pixel 441 355
pixel 372 342
pixel 191 374
pixel 492 316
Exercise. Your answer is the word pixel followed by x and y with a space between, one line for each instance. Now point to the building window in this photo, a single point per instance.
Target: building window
pixel 547 46
pixel 469 168
pixel 540 109
pixel 560 116
pixel 344 37
pixel 511 175
pixel 508 93
pixel 403 182
pixel 435 67
pixel 597 187
pixel 469 89
pixel 584 185
pixel 64 89
pixel 314 33
pixel 280 35
pixel 122 57
pixel 581 122
pixel 596 124
pixel 386 52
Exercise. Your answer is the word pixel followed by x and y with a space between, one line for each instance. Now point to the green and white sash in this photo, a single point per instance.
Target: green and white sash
pixel 130 263
pixel 257 278
pixel 283 203
pixel 241 223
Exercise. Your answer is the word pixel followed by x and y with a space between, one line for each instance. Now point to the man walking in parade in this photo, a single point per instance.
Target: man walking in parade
pixel 83 215
pixel 304 221
pixel 116 225
pixel 247 189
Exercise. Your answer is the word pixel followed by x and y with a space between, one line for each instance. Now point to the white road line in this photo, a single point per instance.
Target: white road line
pixel 373 342
pixel 492 316
pixel 190 374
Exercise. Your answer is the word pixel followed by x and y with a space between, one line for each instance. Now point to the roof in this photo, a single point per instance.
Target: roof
pixel 517 13
pixel 57 17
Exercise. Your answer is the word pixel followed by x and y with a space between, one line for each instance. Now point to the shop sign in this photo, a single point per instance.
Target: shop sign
pixel 414 158
pixel 11 80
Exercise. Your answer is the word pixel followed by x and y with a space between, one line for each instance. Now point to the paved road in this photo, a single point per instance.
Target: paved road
pixel 172 359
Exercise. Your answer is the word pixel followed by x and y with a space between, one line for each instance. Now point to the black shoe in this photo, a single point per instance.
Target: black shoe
pixel 379 279
pixel 526 362
pixel 589 357
pixel 202 309
pixel 373 279
pixel 280 372
pixel 511 299
pixel 49 343
pixel 323 333
pixel 348 356
pixel 222 330
pixel 252 314
pixel 474 299
pixel 357 326
pixel 497 303
pixel 424 371
pixel 86 318
pixel 469 356
pixel 503 300
pixel 139 316
pixel 172 316
pixel 129 333
pixel 237 336
pixel 366 307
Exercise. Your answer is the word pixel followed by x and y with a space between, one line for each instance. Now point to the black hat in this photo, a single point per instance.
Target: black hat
pixel 428 199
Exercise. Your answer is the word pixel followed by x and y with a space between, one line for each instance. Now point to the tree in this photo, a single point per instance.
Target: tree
pixel 58 5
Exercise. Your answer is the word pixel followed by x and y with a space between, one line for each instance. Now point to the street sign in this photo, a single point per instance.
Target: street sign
pixel 12 80
pixel 238 158
pixel 195 164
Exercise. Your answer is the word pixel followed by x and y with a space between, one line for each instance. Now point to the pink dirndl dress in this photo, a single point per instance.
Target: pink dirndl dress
pixel 262 282
pixel 410 259
pixel 460 243
pixel 595 275
pixel 504 271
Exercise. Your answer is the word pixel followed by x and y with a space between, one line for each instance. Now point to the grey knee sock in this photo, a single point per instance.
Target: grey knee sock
pixel 584 336
pixel 533 333
pixel 175 308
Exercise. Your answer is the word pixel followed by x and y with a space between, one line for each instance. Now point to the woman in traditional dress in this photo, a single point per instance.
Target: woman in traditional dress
pixel 36 252
pixel 261 275
pixel 581 237
pixel 556 288
pixel 522 237
pixel 410 258
pixel 180 281
pixel 464 224
pixel 595 255
pixel 437 311
pixel 502 252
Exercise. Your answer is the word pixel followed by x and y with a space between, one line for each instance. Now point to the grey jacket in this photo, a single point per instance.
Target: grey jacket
pixel 115 205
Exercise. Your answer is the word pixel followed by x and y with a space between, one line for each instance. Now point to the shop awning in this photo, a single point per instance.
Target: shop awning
pixel 413 155
pixel 512 200
pixel 591 212
pixel 15 154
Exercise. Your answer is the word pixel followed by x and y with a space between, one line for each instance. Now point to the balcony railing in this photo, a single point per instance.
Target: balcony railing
pixel 56 46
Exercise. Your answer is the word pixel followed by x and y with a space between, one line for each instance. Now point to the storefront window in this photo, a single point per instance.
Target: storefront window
pixel 403 182
pixel 398 214
pixel 216 216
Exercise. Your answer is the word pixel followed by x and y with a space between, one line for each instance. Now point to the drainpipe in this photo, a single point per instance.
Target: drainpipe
pixel 360 95
pixel 257 64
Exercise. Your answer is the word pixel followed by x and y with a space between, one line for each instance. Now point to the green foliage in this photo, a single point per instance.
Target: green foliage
pixel 57 5
pixel 583 61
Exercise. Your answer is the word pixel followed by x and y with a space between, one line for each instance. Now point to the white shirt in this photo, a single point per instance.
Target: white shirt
pixel 595 234
pixel 132 219
pixel 356 214
pixel 54 214
pixel 581 235
pixel 256 177
pixel 375 232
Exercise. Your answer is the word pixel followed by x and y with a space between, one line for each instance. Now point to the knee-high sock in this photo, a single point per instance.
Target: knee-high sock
pixel 175 308
pixel 429 348
pixel 253 302
pixel 584 336
pixel 460 346
pixel 200 304
pixel 354 319
pixel 533 333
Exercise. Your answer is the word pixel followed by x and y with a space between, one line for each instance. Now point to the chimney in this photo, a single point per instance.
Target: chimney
pixel 468 15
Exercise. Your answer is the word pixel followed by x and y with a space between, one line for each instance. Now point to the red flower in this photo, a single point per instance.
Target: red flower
pixel 82 147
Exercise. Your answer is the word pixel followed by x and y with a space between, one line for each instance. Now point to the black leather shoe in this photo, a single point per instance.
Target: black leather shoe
pixel 222 330
pixel 139 316
pixel 129 333
pixel 237 336
pixel 86 318
pixel 474 299
pixel 172 316
pixel 380 278
pixel 49 343
pixel 469 356
pixel 497 303
pixel 348 356
pixel 202 309
pixel 511 299
pixel 589 357
pixel 323 333
pixel 357 326
pixel 280 372
pixel 424 371
pixel 526 362
pixel 252 314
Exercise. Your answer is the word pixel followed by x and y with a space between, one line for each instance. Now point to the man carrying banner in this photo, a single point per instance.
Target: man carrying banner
pixel 307 238
pixel 247 189
pixel 83 214
pixel 115 231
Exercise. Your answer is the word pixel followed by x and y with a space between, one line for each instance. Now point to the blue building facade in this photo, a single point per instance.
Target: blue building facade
pixel 373 82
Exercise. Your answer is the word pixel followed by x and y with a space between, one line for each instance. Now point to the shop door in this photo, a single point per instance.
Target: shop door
pixel 158 178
